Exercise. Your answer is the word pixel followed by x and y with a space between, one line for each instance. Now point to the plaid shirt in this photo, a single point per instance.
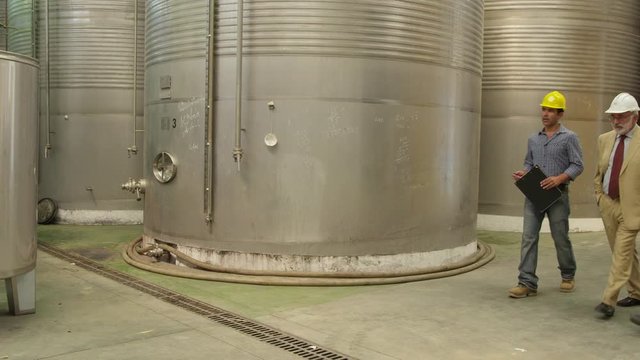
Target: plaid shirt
pixel 560 154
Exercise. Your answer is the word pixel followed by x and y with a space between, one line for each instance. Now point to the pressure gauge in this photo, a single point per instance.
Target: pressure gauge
pixel 164 167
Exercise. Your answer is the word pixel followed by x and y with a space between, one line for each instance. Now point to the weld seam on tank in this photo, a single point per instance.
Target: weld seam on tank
pixel 133 255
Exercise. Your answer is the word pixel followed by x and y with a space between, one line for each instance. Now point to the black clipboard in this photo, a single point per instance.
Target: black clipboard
pixel 529 184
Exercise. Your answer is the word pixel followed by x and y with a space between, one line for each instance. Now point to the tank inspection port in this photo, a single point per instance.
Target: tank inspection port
pixel 164 167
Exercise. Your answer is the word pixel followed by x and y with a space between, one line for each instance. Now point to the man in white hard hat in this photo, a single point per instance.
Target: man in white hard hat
pixel 617 188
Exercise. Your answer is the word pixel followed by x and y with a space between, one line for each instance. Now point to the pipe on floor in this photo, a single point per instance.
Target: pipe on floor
pixel 353 274
pixel 484 255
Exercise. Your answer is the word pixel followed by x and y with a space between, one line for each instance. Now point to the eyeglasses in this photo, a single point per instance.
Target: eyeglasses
pixel 620 117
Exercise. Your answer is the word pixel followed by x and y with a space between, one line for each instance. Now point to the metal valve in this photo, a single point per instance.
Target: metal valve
pixel 132 150
pixel 135 186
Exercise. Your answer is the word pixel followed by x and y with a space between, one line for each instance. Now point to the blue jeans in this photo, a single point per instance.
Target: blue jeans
pixel 558 215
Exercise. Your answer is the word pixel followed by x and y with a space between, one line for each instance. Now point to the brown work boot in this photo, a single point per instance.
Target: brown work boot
pixel 522 291
pixel 567 285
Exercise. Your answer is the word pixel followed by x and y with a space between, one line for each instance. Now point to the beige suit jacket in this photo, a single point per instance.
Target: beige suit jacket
pixel 629 176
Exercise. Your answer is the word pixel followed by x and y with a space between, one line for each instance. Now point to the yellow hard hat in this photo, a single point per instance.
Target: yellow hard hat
pixel 554 100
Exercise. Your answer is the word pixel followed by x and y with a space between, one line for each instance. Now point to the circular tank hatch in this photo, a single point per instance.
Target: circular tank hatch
pixel 47 209
pixel 164 167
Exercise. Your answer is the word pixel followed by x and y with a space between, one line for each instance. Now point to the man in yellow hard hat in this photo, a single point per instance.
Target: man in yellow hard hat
pixel 618 194
pixel 556 151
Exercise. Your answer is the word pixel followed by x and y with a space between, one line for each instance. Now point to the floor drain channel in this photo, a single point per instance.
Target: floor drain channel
pixel 264 333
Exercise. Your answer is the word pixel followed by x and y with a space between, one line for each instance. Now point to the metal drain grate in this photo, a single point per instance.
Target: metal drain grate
pixel 264 333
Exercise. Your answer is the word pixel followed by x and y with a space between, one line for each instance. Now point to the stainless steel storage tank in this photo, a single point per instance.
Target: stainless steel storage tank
pixel 88 126
pixel 3 26
pixel 585 49
pixel 18 178
pixel 21 27
pixel 359 133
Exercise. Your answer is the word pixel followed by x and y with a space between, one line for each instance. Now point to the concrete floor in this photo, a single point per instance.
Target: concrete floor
pixel 81 315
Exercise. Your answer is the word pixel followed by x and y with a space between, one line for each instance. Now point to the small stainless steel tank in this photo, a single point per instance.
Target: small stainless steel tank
pixel 92 111
pixel 19 156
pixel 359 133
pixel 586 49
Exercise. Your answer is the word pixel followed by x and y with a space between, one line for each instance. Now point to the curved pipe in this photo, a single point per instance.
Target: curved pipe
pixel 145 249
pixel 484 255
pixel 217 268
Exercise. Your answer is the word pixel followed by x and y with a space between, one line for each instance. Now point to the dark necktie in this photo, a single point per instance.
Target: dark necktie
pixel 618 158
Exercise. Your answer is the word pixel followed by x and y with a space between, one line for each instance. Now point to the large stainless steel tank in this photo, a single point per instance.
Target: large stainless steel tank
pixel 585 49
pixel 87 122
pixel 21 27
pixel 18 156
pixel 375 107
pixel 3 27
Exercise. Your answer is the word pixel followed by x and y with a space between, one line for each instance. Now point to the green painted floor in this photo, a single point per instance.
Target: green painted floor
pixel 104 244
pixel 81 315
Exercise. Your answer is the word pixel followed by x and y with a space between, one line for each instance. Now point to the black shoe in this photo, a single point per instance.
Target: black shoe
pixel 606 310
pixel 635 319
pixel 628 301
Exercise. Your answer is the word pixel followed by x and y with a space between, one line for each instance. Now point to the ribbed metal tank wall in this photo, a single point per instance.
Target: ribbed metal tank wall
pixel 587 49
pixel 376 110
pixel 18 156
pixel 3 21
pixel 21 27
pixel 91 55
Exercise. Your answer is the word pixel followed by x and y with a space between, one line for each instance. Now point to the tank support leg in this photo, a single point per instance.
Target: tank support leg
pixel 21 293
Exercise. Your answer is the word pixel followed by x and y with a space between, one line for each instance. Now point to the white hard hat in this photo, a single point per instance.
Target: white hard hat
pixel 622 103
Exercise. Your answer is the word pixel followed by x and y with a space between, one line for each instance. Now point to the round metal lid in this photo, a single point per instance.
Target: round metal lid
pixel 47 209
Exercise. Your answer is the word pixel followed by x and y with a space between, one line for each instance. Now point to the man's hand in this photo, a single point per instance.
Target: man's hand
pixel 518 174
pixel 553 181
